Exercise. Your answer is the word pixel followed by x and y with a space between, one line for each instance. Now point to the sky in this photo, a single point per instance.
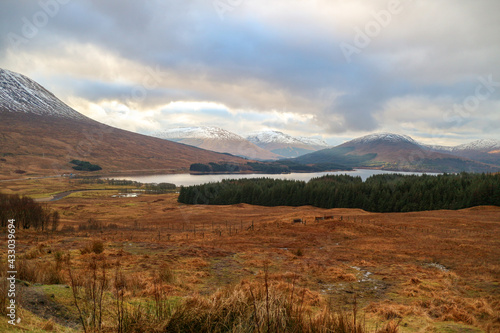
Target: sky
pixel 332 69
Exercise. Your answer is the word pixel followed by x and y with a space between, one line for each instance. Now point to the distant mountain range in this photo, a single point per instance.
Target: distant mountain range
pixel 286 145
pixel 382 150
pixel 39 134
pixel 400 152
pixel 217 139
pixel 263 145
pixel 484 150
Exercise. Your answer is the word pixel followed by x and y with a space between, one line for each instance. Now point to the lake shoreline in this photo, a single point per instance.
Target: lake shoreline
pixel 186 179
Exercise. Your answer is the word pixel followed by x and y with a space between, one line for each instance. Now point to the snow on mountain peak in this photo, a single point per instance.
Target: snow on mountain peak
pixel 389 137
pixel 313 141
pixel 272 137
pixel 198 132
pixel 482 144
pixel 19 93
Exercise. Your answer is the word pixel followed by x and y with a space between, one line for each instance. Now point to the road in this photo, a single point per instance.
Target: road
pixel 64 194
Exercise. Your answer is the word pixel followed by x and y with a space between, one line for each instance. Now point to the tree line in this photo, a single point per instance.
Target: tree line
pixel 27 213
pixel 85 166
pixel 379 193
pixel 282 166
pixel 149 188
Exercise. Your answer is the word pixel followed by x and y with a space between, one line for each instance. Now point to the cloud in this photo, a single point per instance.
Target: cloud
pixel 273 65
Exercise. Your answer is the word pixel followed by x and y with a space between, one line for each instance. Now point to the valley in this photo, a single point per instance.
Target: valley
pixel 426 271
pixel 249 166
pixel 128 257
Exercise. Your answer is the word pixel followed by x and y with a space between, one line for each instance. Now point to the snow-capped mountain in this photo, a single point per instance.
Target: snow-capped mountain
pixel 484 145
pixel 393 152
pixel 315 142
pixel 216 139
pixel 41 135
pixel 269 137
pixel 284 144
pixel 384 137
pixel 200 132
pixel 483 150
pixel 18 93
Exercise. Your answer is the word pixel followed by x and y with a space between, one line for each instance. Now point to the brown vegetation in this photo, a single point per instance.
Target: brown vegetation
pixel 173 267
pixel 28 142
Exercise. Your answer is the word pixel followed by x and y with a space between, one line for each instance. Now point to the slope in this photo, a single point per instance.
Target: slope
pixel 393 152
pixel 284 144
pixel 40 135
pixel 217 139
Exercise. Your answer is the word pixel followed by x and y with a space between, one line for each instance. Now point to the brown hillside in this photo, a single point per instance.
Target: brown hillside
pixel 45 145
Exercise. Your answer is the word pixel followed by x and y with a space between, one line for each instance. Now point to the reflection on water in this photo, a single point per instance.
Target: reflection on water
pixel 186 179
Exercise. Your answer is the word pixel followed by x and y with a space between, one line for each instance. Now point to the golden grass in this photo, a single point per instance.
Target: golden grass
pixel 425 267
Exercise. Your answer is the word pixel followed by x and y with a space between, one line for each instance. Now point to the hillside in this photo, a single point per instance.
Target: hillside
pixel 393 152
pixel 284 144
pixel 218 140
pixel 484 150
pixel 40 135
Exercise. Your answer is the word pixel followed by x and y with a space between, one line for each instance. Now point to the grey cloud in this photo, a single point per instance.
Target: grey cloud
pixel 278 61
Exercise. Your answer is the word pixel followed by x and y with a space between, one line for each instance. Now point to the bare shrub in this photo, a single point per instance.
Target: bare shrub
pixel 27 270
pixel 88 292
pixel 67 228
pixel 299 252
pixel 165 274
pixel 90 224
pixel 97 246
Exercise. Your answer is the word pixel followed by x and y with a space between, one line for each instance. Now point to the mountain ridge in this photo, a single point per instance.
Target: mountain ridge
pixel 284 144
pixel 391 151
pixel 217 139
pixel 40 135
pixel 26 95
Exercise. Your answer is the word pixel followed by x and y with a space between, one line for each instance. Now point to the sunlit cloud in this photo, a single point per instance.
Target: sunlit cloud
pixel 150 66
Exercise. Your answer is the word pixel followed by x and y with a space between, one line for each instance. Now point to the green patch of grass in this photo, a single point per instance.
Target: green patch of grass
pixel 92 194
pixel 58 290
pixel 452 327
pixel 32 323
pixel 42 195
pixel 412 324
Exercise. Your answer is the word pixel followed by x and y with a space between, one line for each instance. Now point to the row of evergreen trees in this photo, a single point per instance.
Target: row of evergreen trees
pixel 379 193
pixel 85 166
pixel 150 188
pixel 27 213
pixel 283 166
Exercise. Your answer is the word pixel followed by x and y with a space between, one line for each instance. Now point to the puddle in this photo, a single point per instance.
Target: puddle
pixel 364 286
pixel 365 275
pixel 438 266
pixel 126 195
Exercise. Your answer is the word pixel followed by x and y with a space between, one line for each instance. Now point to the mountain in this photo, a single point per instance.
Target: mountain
pixel 39 134
pixel 393 152
pixel 484 150
pixel 317 144
pixel 217 139
pixel 284 144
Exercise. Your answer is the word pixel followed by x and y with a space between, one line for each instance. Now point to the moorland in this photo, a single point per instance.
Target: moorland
pixel 148 263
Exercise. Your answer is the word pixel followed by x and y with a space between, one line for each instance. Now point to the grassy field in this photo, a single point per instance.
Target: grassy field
pixel 154 263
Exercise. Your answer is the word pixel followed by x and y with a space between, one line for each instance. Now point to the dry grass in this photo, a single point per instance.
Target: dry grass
pixel 437 266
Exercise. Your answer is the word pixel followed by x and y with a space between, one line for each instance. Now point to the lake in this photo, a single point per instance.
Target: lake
pixel 185 179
